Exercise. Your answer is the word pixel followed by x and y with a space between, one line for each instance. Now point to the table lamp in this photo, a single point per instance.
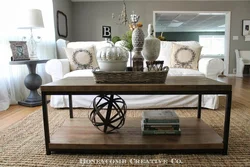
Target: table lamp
pixel 31 19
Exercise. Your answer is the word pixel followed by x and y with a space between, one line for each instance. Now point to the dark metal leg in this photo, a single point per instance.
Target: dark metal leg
pixel 46 123
pixel 70 107
pixel 199 106
pixel 227 122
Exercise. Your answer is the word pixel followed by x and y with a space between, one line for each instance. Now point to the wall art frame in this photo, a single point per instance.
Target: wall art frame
pixel 62 24
pixel 245 27
pixel 19 50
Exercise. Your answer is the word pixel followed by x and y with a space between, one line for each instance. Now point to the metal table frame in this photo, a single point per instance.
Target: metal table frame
pixel 199 93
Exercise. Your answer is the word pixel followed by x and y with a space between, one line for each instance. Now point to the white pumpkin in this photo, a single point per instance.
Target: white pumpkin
pixel 112 53
pixel 112 58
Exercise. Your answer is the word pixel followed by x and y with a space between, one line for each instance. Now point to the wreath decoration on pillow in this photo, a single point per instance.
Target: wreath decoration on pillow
pixel 184 64
pixel 80 65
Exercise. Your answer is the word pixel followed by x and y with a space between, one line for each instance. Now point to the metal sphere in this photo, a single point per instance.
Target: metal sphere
pixel 108 112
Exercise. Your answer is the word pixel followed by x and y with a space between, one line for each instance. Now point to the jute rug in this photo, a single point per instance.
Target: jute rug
pixel 22 144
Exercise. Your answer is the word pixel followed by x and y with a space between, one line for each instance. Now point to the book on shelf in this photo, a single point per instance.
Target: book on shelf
pixel 160 116
pixel 161 132
pixel 159 123
pixel 160 127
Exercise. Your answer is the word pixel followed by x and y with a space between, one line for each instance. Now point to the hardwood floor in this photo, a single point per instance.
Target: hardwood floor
pixel 241 94
pixel 241 88
pixel 14 114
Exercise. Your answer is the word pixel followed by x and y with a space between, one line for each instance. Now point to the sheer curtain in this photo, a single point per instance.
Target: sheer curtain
pixel 12 76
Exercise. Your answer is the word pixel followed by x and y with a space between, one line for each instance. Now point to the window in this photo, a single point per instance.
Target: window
pixel 11 77
pixel 212 44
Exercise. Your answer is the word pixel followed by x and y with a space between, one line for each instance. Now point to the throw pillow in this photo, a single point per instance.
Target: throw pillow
pixel 81 58
pixel 185 56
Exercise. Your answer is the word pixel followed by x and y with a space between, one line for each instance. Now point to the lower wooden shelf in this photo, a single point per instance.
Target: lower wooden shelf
pixel 80 134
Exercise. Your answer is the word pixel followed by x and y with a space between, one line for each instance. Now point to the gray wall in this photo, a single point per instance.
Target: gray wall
pixel 64 6
pixel 88 18
pixel 186 36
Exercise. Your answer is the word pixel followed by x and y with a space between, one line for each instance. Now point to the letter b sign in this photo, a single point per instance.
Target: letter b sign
pixel 106 31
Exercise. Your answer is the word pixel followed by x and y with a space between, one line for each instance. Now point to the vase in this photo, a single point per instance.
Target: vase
pixel 137 42
pixel 151 48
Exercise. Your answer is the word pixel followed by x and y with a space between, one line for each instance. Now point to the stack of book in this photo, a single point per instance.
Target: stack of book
pixel 164 122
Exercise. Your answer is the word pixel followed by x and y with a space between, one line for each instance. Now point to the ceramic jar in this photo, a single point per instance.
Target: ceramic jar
pixel 151 48
pixel 138 38
pixel 137 42
pixel 112 58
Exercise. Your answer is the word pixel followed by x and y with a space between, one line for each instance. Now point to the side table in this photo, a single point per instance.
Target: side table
pixel 32 81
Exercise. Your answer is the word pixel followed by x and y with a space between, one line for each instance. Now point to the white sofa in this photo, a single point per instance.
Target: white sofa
pixel 208 67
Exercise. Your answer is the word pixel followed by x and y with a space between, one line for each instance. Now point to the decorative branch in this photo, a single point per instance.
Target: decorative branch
pixel 123 17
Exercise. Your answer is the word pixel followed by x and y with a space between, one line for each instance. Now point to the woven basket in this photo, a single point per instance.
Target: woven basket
pixel 123 77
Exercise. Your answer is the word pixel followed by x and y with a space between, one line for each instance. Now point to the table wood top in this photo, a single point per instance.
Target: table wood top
pixel 28 62
pixel 87 85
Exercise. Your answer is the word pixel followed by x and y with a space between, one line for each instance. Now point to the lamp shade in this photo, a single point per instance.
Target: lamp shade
pixel 31 18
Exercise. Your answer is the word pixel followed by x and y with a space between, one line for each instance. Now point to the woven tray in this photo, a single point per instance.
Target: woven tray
pixel 130 76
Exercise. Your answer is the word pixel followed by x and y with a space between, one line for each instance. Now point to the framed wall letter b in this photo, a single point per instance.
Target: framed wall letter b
pixel 246 27
pixel 19 50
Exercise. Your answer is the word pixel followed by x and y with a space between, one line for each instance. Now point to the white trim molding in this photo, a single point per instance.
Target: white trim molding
pixel 227 31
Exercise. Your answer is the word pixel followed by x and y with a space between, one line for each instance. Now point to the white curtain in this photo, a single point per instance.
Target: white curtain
pixel 12 88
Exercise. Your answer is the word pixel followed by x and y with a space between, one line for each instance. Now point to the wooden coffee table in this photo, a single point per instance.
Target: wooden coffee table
pixel 78 134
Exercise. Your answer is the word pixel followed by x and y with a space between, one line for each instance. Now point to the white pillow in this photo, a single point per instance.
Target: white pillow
pixel 81 58
pixel 166 50
pixel 185 56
